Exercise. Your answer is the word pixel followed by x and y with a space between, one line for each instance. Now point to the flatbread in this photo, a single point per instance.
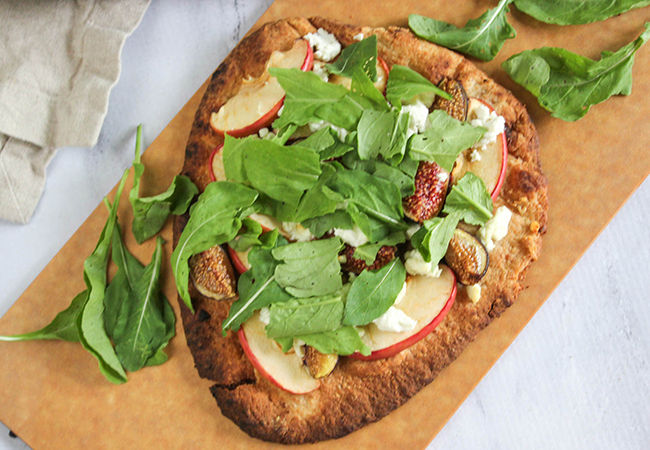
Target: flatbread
pixel 358 392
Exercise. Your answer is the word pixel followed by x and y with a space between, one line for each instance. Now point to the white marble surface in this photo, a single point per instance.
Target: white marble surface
pixel 577 377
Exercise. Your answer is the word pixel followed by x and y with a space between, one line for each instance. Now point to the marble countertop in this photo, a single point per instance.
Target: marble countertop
pixel 578 376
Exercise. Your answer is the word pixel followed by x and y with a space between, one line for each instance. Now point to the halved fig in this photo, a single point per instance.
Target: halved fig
pixel 385 255
pixel 467 257
pixel 212 274
pixel 380 84
pixel 319 364
pixel 431 182
pixel 457 107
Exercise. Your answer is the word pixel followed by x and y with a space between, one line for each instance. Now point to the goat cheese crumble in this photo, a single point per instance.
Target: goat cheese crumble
pixel 496 228
pixel 358 37
pixel 297 232
pixel 475 155
pixel 485 118
pixel 474 293
pixel 418 118
pixel 416 265
pixel 315 126
pixel 395 320
pixel 265 316
pixel 353 237
pixel 320 70
pixel 325 45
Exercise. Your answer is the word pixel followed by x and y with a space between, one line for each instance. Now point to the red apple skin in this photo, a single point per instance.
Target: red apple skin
pixel 236 262
pixel 255 362
pixel 504 164
pixel 406 343
pixel 216 150
pixel 383 64
pixel 268 118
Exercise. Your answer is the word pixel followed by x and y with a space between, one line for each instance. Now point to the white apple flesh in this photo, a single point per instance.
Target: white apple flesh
pixel 239 260
pixel 491 168
pixel 258 101
pixel 285 370
pixel 427 301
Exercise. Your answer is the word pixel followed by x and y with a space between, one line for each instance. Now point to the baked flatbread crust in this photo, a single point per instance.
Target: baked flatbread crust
pixel 358 392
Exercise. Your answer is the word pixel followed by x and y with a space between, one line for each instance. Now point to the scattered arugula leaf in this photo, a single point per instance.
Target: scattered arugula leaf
pixel 382 133
pixel 433 238
pixel 150 213
pixel 405 83
pixel 343 341
pixel 214 219
pixel 567 84
pixel 361 54
pixel 443 141
pixel 321 225
pixel 326 142
pixel 62 327
pixel 248 235
pixel 368 252
pixel 373 292
pixel 482 37
pixel 308 315
pixel 576 12
pixel 470 199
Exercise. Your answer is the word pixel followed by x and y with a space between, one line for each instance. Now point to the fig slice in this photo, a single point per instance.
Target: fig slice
pixel 212 274
pixel 467 257
pixel 319 364
pixel 457 107
pixel 355 265
pixel 431 182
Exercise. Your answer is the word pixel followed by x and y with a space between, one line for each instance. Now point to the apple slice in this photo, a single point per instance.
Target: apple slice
pixel 286 370
pixel 217 172
pixel 491 168
pixel 239 260
pixel 380 84
pixel 258 101
pixel 427 301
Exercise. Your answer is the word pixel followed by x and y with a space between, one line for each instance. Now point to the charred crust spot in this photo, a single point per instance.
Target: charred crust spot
pixel 203 315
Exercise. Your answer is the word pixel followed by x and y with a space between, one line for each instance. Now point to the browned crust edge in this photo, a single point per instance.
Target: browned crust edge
pixel 358 393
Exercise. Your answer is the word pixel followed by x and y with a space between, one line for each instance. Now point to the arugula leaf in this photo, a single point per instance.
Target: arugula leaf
pixel 308 315
pixel 214 219
pixel 145 327
pixel 150 213
pixel 373 292
pixel 257 287
pixel 62 327
pixel 343 341
pixel 368 252
pixel 576 12
pixel 361 54
pixel 470 199
pixel 482 37
pixel 90 320
pixel 305 93
pixel 282 173
pixel 248 237
pixel 309 269
pixel 405 83
pixel 321 225
pixel 567 84
pixel 433 238
pixel 382 133
pixel 326 142
pixel 443 141
pixel 403 176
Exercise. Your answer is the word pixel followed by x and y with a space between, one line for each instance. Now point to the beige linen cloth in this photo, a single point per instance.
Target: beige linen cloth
pixel 59 60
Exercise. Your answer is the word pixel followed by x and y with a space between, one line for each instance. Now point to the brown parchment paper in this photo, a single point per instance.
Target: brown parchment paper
pixel 53 395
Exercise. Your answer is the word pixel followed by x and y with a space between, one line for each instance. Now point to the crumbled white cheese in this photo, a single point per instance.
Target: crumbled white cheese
pixel 358 37
pixel 315 126
pixel 395 320
pixel 416 265
pixel 495 124
pixel 475 155
pixel 353 237
pixel 401 295
pixel 325 45
pixel 442 176
pixel 299 347
pixel 320 70
pixel 343 259
pixel 263 132
pixel 412 230
pixel 474 293
pixel 297 232
pixel 418 118
pixel 496 228
pixel 265 316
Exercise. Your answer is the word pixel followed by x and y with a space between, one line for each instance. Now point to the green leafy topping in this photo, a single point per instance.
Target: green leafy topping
pixel 257 287
pixel 282 173
pixel 382 133
pixel 326 142
pixel 150 213
pixel 368 252
pixel 373 292
pixel 343 341
pixel 308 315
pixel 576 12
pixel 568 84
pixel 214 219
pixel 321 225
pixel 443 141
pixel 248 235
pixel 482 37
pixel 405 84
pixel 470 199
pixel 309 269
pixel 62 327
pixel 361 54
pixel 433 238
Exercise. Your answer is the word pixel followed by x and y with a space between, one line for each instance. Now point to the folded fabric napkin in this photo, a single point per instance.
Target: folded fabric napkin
pixel 59 60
